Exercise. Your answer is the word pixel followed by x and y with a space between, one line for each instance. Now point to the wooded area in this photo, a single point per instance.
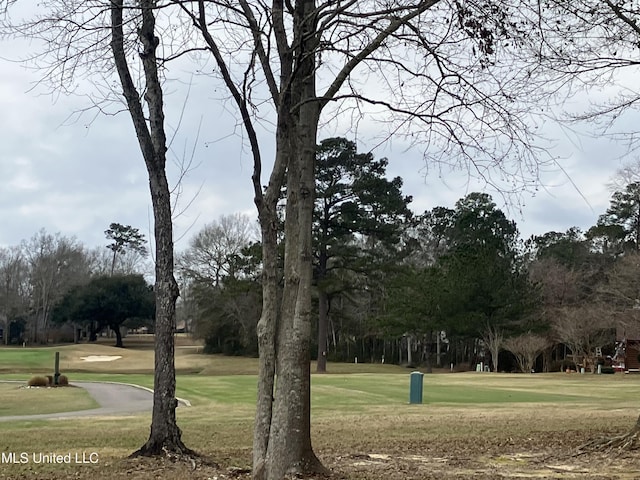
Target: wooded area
pixel 448 286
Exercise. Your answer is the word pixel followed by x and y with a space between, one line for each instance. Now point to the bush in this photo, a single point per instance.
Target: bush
pixel 63 381
pixel 38 381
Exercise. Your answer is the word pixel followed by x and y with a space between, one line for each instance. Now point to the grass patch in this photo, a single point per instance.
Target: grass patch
pixel 357 393
pixel 15 400
pixel 137 357
pixel 351 413
pixel 355 408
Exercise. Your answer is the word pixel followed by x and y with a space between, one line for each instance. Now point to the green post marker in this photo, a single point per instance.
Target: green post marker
pixel 56 373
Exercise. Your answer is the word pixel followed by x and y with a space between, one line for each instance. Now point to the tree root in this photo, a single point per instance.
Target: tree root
pixel 185 455
pixel 627 442
pixel 188 457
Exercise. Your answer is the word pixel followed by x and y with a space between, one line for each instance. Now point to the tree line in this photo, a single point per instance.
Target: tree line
pixel 451 285
pixel 50 280
pixel 448 286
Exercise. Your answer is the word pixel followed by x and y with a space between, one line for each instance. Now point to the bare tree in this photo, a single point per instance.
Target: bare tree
pixel 115 43
pixel 218 285
pixel 628 173
pixel 213 252
pixel 559 284
pixel 583 329
pixel 493 338
pixel 440 85
pixel 593 44
pixel 443 80
pixel 574 307
pixel 129 263
pixel 14 288
pixel 56 263
pixel 620 293
pixel 526 347
pixel 165 435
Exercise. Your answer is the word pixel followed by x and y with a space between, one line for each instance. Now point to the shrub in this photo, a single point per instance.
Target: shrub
pixel 63 381
pixel 38 381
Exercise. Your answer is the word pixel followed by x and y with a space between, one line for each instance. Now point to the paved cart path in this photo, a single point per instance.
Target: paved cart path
pixel 113 398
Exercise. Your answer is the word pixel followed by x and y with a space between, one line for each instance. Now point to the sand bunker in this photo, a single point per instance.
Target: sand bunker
pixel 101 358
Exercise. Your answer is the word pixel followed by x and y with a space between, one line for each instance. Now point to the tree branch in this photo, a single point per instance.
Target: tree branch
pixel 393 26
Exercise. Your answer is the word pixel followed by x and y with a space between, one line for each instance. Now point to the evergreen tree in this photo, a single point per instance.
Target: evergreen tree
pixel 618 230
pixel 358 211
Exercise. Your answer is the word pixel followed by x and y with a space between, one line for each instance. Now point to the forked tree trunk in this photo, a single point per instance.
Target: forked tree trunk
pixel 288 447
pixel 282 440
pixel 165 436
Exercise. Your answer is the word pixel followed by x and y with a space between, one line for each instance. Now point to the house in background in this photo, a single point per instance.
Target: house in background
pixel 626 358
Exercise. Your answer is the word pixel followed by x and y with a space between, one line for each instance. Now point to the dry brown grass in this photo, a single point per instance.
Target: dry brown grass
pixel 17 400
pixel 38 381
pixel 397 443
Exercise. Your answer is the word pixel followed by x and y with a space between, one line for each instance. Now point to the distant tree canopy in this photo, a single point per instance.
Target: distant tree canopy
pixel 219 274
pixel 125 238
pixel 618 230
pixel 476 277
pixel 568 248
pixel 386 281
pixel 108 302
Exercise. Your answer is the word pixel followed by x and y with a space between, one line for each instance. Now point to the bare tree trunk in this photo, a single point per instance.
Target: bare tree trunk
pixel 289 448
pixel 266 331
pixel 165 436
pixel 5 332
pixel 323 329
pixel 118 334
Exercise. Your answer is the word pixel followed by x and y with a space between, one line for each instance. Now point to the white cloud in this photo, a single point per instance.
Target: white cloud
pixel 78 178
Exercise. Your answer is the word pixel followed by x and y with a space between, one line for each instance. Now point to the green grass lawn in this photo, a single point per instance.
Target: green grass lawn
pixel 219 380
pixel 355 407
pixel 25 359
pixel 356 392
pixel 361 408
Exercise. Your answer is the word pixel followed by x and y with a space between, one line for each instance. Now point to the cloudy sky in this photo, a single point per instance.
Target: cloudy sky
pixel 77 174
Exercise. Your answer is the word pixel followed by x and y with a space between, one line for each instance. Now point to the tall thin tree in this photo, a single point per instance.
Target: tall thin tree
pixel 165 434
